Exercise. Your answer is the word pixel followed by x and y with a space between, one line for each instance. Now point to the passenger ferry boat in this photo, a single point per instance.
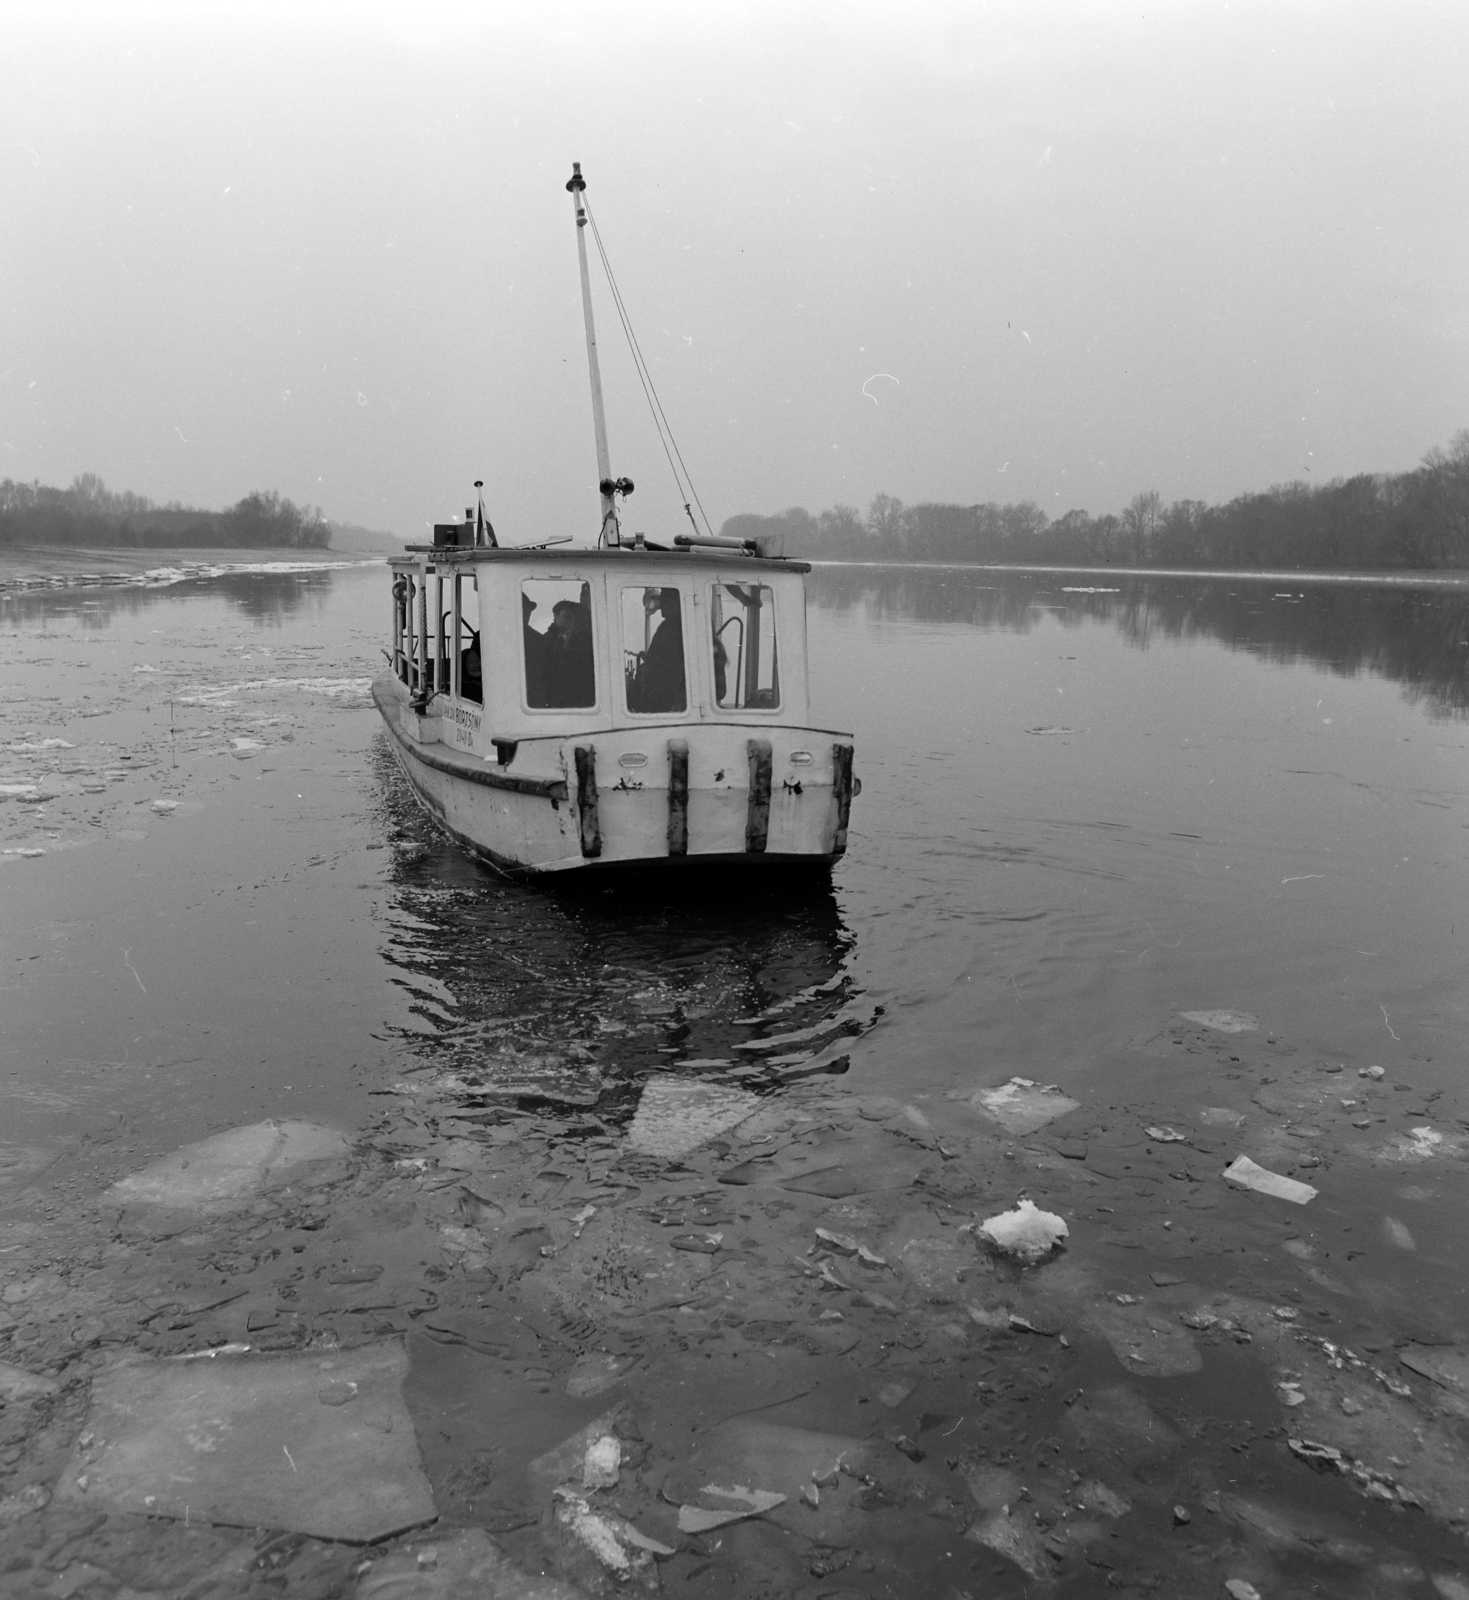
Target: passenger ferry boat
pixel 632 704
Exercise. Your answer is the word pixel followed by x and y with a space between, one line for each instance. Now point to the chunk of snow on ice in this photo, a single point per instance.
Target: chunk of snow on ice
pixel 1421 1144
pixel 1026 1234
pixel 601 1463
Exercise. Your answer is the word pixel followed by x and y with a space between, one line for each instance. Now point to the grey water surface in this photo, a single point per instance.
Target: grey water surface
pixel 1091 804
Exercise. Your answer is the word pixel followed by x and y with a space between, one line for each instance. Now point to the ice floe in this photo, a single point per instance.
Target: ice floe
pixel 230 1167
pixel 1245 1174
pixel 254 1440
pixel 674 1118
pixel 1022 1106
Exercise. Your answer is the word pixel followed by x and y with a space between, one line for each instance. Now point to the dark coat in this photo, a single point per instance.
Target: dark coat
pixel 658 684
pixel 567 673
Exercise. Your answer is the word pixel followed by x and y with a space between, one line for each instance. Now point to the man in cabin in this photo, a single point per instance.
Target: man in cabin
pixel 658 684
pixel 471 670
pixel 566 665
pixel 535 655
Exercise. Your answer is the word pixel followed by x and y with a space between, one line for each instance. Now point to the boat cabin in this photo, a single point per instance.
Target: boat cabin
pixel 591 677
pixel 589 639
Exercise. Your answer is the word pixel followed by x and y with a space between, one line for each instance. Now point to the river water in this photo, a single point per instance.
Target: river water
pixel 1092 804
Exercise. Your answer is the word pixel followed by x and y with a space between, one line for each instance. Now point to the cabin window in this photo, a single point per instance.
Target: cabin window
pixel 465 639
pixel 556 624
pixel 652 650
pixel 746 664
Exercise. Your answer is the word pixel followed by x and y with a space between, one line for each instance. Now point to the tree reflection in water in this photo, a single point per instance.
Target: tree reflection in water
pixel 269 598
pixel 1418 637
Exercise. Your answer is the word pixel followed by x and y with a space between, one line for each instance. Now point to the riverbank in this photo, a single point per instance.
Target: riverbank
pixel 28 568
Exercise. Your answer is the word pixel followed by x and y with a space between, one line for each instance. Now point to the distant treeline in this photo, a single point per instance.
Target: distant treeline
pixel 90 514
pixel 1375 521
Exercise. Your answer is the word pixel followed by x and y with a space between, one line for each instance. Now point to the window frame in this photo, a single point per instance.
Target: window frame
pixel 686 608
pixel 773 609
pixel 591 587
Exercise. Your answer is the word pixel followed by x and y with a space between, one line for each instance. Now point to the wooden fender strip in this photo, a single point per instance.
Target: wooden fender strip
pixel 586 800
pixel 678 797
pixel 757 816
pixel 546 788
pixel 841 788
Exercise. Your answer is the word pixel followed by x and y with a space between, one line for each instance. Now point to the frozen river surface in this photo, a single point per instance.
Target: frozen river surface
pixel 593 1203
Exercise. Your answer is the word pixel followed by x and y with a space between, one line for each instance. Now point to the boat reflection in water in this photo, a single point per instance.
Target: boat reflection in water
pixel 571 998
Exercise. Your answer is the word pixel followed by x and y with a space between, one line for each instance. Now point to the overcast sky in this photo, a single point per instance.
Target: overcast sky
pixel 956 252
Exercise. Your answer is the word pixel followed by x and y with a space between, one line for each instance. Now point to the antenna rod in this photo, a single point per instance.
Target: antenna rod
pixel 599 419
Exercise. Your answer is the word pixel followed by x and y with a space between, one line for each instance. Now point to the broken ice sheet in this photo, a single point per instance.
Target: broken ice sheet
pixel 595 1374
pixel 1420 1144
pixel 1448 1368
pixel 567 1462
pixel 1223 1021
pixel 896 1391
pixel 1094 1495
pixel 1021 1106
pixel 228 1168
pixel 560 1078
pixel 18 1384
pixel 1146 1342
pixel 1397 1234
pixel 1244 1174
pixel 845 1245
pixel 249 1441
pixel 739 1464
pixel 464 1562
pixel 674 1118
pixel 610 1542
pixel 1014 1538
pixel 21 1161
pixel 1027 1234
pixel 461 1155
pixel 739 1502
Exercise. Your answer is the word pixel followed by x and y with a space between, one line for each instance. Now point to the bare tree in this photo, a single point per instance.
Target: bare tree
pixel 1447 467
pixel 1142 520
pixel 885 521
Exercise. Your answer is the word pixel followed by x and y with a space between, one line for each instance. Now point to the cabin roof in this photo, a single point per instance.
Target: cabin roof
pixel 458 556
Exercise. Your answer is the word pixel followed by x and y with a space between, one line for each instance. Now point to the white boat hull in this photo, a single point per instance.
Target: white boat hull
pixel 678 794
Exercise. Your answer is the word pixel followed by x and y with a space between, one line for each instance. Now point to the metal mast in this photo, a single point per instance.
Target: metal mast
pixel 610 533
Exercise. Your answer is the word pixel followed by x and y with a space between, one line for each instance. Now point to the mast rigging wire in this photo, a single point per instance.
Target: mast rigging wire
pixel 650 392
